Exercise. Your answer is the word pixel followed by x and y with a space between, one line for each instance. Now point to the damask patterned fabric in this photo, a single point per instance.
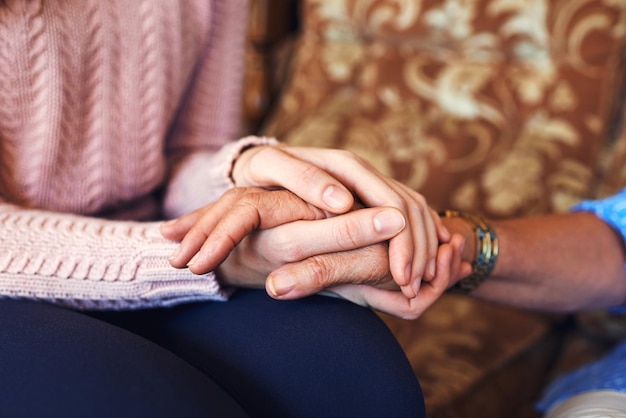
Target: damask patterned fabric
pixel 500 107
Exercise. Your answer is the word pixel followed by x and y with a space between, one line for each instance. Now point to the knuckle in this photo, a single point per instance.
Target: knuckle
pixel 308 173
pixel 347 234
pixel 196 234
pixel 319 272
pixel 249 198
pixel 351 156
pixel 291 250
pixel 255 200
pixel 234 193
pixel 256 170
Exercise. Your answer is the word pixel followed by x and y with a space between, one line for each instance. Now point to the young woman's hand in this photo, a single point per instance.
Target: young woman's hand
pixel 265 229
pixel 329 178
pixel 245 238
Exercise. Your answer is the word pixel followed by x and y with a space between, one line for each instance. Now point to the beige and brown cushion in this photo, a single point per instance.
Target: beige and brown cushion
pixel 476 359
pixel 500 107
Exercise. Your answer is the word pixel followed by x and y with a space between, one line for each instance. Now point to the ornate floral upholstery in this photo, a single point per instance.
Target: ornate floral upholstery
pixel 499 107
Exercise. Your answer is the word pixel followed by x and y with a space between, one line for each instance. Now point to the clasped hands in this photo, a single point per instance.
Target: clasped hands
pixel 305 220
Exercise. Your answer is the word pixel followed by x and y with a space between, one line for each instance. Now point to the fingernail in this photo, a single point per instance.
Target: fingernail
pixel 336 197
pixel 389 222
pixel 193 260
pixel 443 235
pixel 407 275
pixel 280 283
pixel 432 268
pixel 174 254
pixel 417 284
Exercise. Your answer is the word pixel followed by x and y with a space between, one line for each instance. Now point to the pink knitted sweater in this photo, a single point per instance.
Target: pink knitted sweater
pixel 113 114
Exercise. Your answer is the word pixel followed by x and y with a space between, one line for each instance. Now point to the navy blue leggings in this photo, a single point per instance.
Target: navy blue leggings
pixel 250 356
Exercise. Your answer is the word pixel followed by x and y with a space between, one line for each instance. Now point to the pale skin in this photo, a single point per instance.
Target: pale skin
pixel 279 249
pixel 303 257
pixel 347 255
pixel 327 179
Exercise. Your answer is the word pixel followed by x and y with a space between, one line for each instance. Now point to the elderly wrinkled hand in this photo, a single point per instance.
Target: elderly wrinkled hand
pixel 278 227
pixel 450 268
pixel 257 237
pixel 327 178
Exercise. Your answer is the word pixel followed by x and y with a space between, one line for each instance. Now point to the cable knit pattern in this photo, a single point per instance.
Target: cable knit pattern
pixel 86 263
pixel 103 104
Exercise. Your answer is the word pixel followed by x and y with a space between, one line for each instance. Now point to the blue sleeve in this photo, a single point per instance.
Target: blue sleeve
pixel 607 373
pixel 612 210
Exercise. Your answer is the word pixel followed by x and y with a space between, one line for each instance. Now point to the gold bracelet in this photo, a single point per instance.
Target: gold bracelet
pixel 486 252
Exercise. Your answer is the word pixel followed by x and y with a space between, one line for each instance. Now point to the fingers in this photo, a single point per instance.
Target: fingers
pixel 176 229
pixel 273 167
pixel 413 251
pixel 219 227
pixel 289 244
pixel 368 283
pixel 297 241
pixel 458 268
pixel 317 175
pixel 312 174
pixel 395 303
pixel 336 250
pixel 442 232
pixel 421 240
pixel 369 265
pixel 353 172
pixel 317 247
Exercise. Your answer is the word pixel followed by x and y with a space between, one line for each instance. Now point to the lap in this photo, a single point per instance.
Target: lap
pixel 57 362
pixel 318 356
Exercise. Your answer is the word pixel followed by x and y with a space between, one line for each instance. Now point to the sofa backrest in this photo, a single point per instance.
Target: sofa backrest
pixel 500 107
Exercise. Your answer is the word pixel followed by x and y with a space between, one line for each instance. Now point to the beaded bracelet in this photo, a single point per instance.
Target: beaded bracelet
pixel 486 252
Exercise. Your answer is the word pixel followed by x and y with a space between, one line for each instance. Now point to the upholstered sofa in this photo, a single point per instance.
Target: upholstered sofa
pixel 498 107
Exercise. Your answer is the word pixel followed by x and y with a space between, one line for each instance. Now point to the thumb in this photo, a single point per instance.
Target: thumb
pixel 368 265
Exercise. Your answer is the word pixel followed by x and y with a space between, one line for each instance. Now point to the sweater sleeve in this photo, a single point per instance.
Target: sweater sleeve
pixel 209 117
pixel 201 177
pixel 91 263
pixel 98 264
